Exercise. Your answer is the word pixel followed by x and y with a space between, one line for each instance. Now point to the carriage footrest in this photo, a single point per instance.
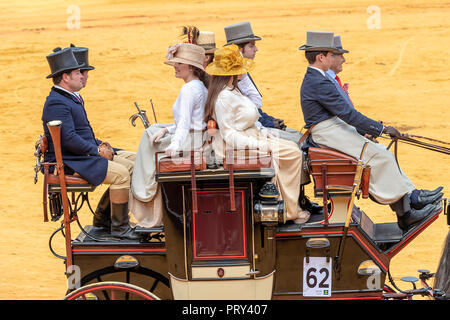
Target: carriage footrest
pixel 139 229
pixel 387 233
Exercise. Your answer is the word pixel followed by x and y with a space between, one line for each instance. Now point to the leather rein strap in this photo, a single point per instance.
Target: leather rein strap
pixel 407 138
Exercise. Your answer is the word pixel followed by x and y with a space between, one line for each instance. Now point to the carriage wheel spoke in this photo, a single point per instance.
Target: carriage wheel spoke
pixel 154 285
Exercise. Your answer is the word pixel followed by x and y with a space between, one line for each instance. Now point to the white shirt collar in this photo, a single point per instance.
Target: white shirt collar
pixel 60 88
pixel 320 70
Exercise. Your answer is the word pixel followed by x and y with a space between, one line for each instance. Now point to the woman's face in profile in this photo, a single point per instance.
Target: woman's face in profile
pixel 182 70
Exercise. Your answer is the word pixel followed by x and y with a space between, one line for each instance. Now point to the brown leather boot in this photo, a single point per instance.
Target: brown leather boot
pixel 120 229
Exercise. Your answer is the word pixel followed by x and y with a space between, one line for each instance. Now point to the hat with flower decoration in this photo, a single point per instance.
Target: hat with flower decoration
pixel 229 61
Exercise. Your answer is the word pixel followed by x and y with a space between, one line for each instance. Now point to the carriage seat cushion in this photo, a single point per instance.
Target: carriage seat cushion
pixel 179 164
pixel 70 179
pixel 249 162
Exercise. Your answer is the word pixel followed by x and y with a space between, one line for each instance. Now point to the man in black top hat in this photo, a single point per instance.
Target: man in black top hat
pixel 82 153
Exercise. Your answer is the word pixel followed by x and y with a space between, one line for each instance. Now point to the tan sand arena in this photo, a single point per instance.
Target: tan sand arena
pixel 397 73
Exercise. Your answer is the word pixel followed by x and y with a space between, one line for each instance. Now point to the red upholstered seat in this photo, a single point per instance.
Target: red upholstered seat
pixel 339 169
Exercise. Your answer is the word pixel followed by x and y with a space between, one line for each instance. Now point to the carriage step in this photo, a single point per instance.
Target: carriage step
pixel 139 229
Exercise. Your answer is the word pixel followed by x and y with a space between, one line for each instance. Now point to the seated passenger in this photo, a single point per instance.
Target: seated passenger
pixel 185 134
pixel 334 122
pixel 241 34
pixel 82 153
pixel 236 115
pixel 102 215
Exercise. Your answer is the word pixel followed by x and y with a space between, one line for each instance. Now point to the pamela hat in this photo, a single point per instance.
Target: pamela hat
pixel 207 40
pixel 319 41
pixel 187 53
pixel 62 60
pixel 240 33
pixel 338 44
pixel 229 61
pixel 82 56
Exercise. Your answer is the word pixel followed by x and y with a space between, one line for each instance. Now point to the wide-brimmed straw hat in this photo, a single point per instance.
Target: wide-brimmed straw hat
pixel 240 33
pixel 319 41
pixel 187 53
pixel 207 40
pixel 229 61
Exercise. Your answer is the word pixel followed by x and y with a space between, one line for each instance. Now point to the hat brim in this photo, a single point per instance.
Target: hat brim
pixel 243 40
pixel 343 50
pixel 87 68
pixel 171 62
pixel 69 68
pixel 311 48
pixel 210 50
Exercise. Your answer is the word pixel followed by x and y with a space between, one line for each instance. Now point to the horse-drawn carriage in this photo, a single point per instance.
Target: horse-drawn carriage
pixel 225 235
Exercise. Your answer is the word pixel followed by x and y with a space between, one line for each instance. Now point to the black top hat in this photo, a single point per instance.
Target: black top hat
pixel 82 56
pixel 61 61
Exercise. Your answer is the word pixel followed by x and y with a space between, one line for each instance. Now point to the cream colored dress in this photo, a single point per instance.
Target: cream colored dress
pixel 236 115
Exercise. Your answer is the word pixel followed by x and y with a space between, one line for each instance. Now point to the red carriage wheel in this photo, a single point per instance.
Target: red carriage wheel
pixel 110 290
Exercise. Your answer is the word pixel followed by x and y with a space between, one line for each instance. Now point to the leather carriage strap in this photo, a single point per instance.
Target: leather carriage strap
pixel 193 184
pixel 44 200
pixel 306 134
pixel 230 160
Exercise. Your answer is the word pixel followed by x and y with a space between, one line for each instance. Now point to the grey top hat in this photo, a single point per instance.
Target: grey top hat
pixel 82 56
pixel 61 61
pixel 319 41
pixel 338 44
pixel 240 33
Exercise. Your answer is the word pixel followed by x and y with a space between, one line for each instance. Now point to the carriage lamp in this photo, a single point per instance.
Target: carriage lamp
pixel 269 209
pixel 368 268
pixel 126 262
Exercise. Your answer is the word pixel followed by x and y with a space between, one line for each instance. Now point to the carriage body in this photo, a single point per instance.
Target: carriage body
pixel 224 238
pixel 214 252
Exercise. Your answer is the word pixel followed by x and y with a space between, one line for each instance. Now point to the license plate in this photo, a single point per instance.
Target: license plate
pixel 317 277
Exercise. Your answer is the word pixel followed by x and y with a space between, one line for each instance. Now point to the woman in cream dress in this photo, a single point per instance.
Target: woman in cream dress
pixel 236 115
pixel 186 134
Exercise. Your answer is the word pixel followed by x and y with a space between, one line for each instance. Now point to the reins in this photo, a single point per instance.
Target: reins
pixel 407 138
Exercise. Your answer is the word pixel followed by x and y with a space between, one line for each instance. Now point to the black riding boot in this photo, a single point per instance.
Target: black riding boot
pixel 119 222
pixel 102 215
pixel 407 216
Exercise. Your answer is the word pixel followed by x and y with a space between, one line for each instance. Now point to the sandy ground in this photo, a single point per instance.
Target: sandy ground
pixel 397 74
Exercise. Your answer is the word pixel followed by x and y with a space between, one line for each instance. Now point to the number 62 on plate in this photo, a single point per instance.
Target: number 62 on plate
pixel 317 277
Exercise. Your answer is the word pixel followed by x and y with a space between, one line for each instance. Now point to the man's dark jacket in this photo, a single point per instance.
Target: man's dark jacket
pixel 320 100
pixel 78 142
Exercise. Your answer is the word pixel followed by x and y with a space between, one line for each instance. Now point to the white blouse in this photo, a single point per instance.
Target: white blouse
pixel 188 112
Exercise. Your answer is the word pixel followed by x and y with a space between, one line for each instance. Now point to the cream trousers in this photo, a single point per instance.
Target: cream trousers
pixel 388 183
pixel 120 169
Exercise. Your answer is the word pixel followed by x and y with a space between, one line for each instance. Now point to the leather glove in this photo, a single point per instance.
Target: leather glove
pixel 394 133
pixel 279 124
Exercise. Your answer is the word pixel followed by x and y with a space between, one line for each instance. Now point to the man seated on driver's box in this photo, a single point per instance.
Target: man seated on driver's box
pixel 82 153
pixel 102 215
pixel 333 122
pixel 242 35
